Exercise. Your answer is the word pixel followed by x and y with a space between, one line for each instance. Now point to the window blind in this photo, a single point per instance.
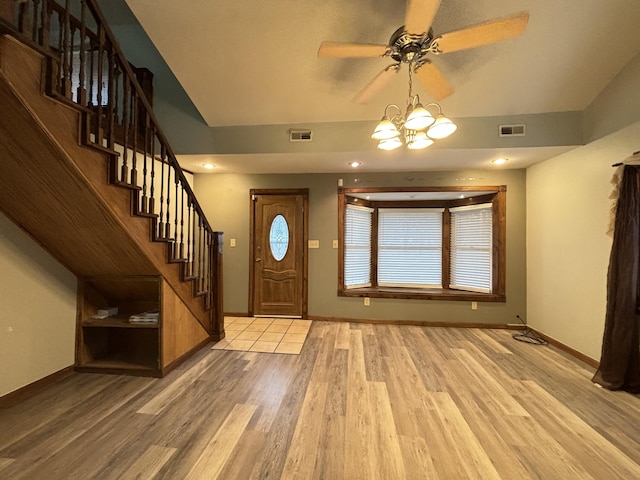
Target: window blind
pixel 410 247
pixel 357 246
pixel 471 248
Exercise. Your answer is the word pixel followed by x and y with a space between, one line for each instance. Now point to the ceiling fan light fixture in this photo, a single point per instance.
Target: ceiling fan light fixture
pixel 390 143
pixel 385 130
pixel 409 127
pixel 419 118
pixel 442 127
pixel 413 44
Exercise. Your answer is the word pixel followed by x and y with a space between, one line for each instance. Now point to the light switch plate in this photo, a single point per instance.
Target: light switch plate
pixel 314 243
pixel 335 244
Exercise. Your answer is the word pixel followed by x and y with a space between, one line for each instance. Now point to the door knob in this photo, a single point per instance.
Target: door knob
pixel 258 259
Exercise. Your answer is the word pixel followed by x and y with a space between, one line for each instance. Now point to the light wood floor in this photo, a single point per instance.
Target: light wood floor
pixel 360 401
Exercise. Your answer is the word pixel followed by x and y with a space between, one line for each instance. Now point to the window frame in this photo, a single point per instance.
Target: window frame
pixel 496 195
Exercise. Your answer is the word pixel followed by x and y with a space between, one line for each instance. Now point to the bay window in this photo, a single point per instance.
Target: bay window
pixel 429 243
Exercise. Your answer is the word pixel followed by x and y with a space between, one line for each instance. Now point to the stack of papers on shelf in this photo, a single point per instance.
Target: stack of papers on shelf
pixel 145 317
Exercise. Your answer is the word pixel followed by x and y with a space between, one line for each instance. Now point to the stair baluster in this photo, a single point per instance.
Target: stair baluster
pixel 152 145
pixel 43 38
pixel 144 208
pixel 86 67
pixel 124 170
pixel 134 159
pixel 81 92
pixel 176 244
pixel 161 217
pixel 167 223
pixel 188 266
pixel 34 25
pixel 181 249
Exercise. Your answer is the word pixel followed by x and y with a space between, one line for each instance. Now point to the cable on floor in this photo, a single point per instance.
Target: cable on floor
pixel 528 336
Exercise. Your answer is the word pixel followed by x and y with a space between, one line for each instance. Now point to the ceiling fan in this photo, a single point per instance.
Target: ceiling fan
pixel 414 42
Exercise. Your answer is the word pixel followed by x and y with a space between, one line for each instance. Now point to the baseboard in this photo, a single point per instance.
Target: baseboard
pixel 185 356
pixel 418 323
pixel 236 314
pixel 567 349
pixel 27 391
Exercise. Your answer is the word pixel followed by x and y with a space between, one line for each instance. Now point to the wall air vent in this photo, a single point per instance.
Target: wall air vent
pixel 511 130
pixel 299 135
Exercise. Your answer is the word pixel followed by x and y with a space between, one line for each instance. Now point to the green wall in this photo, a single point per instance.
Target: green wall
pixel 225 200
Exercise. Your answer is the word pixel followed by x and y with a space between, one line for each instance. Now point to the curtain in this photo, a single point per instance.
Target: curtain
pixel 620 359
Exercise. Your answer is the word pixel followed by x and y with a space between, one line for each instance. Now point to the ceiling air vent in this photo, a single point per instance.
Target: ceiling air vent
pixel 299 135
pixel 511 130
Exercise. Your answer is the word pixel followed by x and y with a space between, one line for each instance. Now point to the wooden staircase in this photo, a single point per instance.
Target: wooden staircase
pixel 87 172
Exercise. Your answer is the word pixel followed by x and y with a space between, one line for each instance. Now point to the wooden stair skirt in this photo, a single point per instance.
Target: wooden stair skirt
pixel 58 191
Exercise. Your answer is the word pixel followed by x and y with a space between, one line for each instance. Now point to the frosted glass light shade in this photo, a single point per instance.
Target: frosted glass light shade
pixel 442 127
pixel 420 141
pixel 385 130
pixel 418 119
pixel 390 143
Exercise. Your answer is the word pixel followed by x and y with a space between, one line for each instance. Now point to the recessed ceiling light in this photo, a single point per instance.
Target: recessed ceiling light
pixel 355 164
pixel 209 166
pixel 500 161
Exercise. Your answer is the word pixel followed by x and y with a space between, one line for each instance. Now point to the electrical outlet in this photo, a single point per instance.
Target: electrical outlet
pixel 474 305
pixel 367 301
pixel 232 242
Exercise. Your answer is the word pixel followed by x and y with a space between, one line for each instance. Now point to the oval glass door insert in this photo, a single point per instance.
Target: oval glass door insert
pixel 279 237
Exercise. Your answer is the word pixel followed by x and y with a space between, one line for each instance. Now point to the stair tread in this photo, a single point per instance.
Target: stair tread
pixel 122 184
pixel 146 214
pixel 178 260
pixel 158 238
pixel 101 148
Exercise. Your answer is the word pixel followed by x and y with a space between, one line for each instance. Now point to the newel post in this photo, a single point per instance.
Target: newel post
pixel 216 312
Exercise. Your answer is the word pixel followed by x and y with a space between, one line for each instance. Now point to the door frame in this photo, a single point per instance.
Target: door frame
pixel 305 241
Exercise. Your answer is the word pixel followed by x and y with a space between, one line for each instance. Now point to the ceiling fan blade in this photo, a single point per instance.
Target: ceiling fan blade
pixel 420 15
pixel 375 85
pixel 351 50
pixel 434 81
pixel 484 33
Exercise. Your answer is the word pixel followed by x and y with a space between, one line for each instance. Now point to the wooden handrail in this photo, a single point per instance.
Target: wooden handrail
pixel 102 23
pixel 134 80
pixel 86 67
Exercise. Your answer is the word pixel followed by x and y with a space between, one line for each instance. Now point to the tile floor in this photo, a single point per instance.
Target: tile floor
pixel 267 335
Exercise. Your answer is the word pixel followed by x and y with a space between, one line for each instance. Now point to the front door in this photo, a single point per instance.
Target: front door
pixel 279 230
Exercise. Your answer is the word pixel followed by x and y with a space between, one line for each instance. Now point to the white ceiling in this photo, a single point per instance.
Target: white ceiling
pixel 250 62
